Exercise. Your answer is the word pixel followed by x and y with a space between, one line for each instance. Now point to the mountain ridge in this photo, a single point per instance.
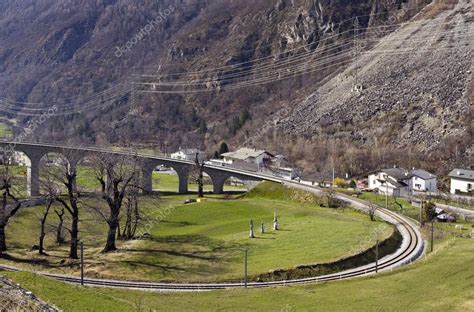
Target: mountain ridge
pixel 68 48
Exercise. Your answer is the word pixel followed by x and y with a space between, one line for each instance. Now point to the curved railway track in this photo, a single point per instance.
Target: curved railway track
pixel 411 248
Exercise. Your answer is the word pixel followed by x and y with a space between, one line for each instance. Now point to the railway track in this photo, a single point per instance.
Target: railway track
pixel 411 248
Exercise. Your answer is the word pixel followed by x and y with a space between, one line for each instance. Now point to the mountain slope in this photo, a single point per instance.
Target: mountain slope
pixel 414 83
pixel 277 52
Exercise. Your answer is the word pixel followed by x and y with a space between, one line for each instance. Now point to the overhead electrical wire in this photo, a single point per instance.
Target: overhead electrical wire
pixel 219 69
pixel 272 68
pixel 275 70
pixel 263 69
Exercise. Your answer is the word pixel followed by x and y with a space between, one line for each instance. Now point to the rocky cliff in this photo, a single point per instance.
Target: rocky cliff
pixel 228 69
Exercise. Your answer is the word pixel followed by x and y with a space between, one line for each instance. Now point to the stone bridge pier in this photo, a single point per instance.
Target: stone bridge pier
pixel 219 177
pixel 35 154
pixel 148 166
pixel 73 155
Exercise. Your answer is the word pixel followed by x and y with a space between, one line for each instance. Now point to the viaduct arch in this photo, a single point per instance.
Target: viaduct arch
pixel 35 151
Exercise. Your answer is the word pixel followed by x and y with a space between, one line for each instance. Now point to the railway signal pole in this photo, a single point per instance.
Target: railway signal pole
pixel 432 235
pixel 245 266
pixel 82 263
pixel 200 176
pixel 421 213
pixel 377 253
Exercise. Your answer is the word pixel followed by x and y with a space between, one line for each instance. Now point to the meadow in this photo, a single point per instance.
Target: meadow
pixel 442 281
pixel 202 241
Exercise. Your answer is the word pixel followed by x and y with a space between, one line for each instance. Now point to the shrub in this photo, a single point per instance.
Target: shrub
pixel 340 182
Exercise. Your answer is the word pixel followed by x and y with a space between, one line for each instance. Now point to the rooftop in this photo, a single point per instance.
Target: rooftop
pixel 397 173
pixel 465 174
pixel 403 174
pixel 189 151
pixel 422 174
pixel 319 177
pixel 242 165
pixel 244 153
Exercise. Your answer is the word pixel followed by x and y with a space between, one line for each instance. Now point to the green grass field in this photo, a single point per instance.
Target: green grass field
pixel 162 182
pixel 167 182
pixel 5 131
pixel 444 281
pixel 397 204
pixel 455 203
pixel 204 241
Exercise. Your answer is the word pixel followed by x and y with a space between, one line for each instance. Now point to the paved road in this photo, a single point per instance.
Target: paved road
pixel 460 211
pixel 411 249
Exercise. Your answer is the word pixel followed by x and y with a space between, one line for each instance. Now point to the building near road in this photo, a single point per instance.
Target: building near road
pixel 422 181
pixel 188 154
pixel 401 182
pixel 17 159
pixel 321 179
pixel 250 155
pixel 462 181
pixel 250 159
pixel 20 159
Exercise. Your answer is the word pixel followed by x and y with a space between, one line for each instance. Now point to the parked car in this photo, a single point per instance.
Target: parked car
pixel 162 168
pixel 444 217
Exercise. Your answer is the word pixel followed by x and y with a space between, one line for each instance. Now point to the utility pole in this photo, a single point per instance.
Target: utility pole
pixel 333 177
pixel 386 194
pixel 133 96
pixel 82 263
pixel 200 176
pixel 356 55
pixel 421 213
pixel 245 266
pixel 432 235
pixel 377 253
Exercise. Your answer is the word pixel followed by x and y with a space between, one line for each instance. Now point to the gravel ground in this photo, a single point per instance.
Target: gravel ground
pixel 15 298
pixel 413 82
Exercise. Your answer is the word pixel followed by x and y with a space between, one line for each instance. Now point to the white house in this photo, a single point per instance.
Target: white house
pixel 422 181
pixel 321 179
pixel 391 181
pixel 462 181
pixel 401 182
pixel 250 155
pixel 19 159
pixel 281 167
pixel 188 154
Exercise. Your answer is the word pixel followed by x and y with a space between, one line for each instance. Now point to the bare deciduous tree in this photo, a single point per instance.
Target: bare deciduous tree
pixel 372 210
pixel 330 196
pixel 115 176
pixel 132 213
pixel 10 204
pixel 59 227
pixel 65 174
pixel 42 234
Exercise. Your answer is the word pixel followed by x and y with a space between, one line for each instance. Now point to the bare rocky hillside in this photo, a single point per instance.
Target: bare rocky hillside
pixel 413 87
pixel 272 74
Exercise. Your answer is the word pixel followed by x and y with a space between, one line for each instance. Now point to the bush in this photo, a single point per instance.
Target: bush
pixel 340 182
pixel 428 213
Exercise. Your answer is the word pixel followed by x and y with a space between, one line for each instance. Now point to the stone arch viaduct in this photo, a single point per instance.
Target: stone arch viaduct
pixel 74 154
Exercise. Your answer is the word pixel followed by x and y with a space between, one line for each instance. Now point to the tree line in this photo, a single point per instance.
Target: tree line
pixel 116 200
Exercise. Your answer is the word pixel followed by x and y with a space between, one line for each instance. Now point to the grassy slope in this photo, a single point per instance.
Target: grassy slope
pixel 169 183
pixel 455 203
pixel 442 282
pixel 85 179
pixel 204 241
pixel 5 131
pixel 397 204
